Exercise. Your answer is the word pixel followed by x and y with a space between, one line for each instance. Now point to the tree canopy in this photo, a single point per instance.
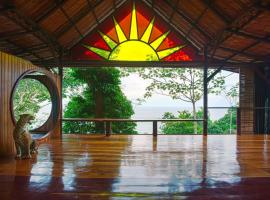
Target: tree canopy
pixel 185 84
pixel 101 97
pixel 29 97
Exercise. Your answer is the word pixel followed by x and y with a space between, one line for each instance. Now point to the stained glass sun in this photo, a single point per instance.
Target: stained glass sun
pixel 134 48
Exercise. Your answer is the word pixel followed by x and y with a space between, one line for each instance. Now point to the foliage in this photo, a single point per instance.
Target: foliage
pixel 180 127
pixel 224 125
pixel 220 126
pixel 185 84
pixel 30 96
pixel 101 97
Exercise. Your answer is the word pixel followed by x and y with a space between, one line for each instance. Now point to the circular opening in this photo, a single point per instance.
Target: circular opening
pixel 31 96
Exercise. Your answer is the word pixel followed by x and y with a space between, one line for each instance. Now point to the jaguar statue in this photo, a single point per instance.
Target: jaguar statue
pixel 25 145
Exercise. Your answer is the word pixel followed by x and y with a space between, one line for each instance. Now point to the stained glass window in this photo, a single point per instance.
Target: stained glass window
pixel 134 34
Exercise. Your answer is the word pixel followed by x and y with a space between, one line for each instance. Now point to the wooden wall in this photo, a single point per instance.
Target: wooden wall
pixel 11 68
pixel 247 100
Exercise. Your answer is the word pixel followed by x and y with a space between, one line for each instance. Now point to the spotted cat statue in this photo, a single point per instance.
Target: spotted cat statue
pixel 25 145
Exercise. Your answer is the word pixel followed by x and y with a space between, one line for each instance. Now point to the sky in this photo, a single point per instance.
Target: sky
pixel 134 87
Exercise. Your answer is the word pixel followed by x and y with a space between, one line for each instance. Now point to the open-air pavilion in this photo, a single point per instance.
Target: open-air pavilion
pixel 39 39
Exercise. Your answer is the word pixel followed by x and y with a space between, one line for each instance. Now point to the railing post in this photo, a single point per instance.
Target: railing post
pixel 238 121
pixel 155 129
pixel 108 128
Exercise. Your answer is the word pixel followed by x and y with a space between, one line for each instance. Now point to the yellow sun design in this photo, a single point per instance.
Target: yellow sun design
pixel 134 48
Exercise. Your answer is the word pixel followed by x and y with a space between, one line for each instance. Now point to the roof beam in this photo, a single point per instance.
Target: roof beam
pixel 250 12
pixel 197 21
pixel 71 22
pixel 173 27
pixel 100 21
pixel 242 51
pixel 9 35
pixel 173 11
pixel 209 4
pixel 50 10
pixel 93 10
pixel 248 35
pixel 22 49
pixel 179 12
pixel 77 18
pixel 32 48
pixel 174 64
pixel 29 25
pixel 235 52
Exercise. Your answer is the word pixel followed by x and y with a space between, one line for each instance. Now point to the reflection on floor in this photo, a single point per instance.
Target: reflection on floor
pixel 141 167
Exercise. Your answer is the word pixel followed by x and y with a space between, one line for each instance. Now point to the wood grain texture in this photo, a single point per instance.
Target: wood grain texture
pixel 11 69
pixel 142 167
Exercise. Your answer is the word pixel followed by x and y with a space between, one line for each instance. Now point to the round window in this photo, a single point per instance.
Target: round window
pixel 31 96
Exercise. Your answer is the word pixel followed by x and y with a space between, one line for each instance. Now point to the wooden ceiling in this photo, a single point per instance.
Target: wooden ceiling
pixel 233 30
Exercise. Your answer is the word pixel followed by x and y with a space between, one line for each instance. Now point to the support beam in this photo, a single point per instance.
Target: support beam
pixel 235 52
pixel 249 13
pixel 179 12
pixel 209 78
pixel 171 64
pixel 222 16
pixel 29 25
pixel 100 21
pixel 53 7
pixel 248 35
pixel 243 50
pixel 192 43
pixel 78 17
pixel 71 22
pixel 205 93
pixel 11 35
pixel 196 21
pixel 22 49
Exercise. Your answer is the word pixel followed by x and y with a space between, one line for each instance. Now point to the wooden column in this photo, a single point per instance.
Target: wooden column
pixel 61 100
pixel 205 93
pixel 155 129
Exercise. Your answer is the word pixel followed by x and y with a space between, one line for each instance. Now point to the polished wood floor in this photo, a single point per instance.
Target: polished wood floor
pixel 140 167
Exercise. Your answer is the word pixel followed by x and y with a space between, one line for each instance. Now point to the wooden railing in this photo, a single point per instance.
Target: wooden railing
pixel 108 122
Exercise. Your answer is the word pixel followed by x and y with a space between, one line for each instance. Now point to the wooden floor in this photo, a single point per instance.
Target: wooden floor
pixel 140 167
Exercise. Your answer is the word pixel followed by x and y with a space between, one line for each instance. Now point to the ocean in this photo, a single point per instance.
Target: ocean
pixel 156 112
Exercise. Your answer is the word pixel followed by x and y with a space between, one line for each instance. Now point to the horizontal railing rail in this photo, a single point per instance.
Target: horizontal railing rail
pixel 108 122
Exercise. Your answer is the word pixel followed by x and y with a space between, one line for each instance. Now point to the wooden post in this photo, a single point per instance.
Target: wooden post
pixel 238 121
pixel 155 129
pixel 60 71
pixel 205 93
pixel 108 128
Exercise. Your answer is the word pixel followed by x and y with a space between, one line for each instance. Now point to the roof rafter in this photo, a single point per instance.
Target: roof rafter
pixel 71 22
pixel 56 5
pixel 93 10
pixel 248 35
pixel 243 50
pixel 100 21
pixel 30 25
pixel 14 34
pixel 173 27
pixel 25 50
pixel 224 18
pixel 197 21
pixel 190 21
pixel 77 18
pixel 250 12
pixel 236 52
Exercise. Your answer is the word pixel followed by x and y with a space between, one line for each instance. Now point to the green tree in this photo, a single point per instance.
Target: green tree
pixel 101 97
pixel 185 84
pixel 180 127
pixel 224 125
pixel 29 97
